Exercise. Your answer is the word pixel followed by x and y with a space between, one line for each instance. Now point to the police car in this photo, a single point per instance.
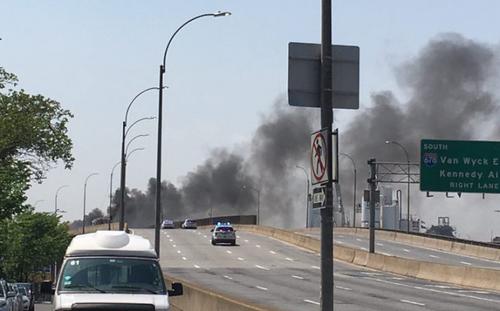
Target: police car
pixel 112 270
pixel 223 233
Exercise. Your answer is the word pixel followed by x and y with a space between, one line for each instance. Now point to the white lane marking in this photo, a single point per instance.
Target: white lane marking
pixel 229 252
pixel 261 288
pixel 359 240
pixel 273 252
pixel 199 233
pixel 386 254
pixel 174 245
pixel 246 241
pixel 433 256
pixel 204 236
pixel 168 236
pixel 258 246
pixel 237 236
pixel 263 268
pixel 338 242
pixel 473 292
pixel 228 277
pixel 364 248
pixel 170 240
pixel 313 302
pixel 413 302
pixel 289 259
pixel 371 273
pixel 380 244
pixel 178 252
pixel 439 286
pixel 197 267
pixel 406 250
pixel 316 267
pixel 184 258
pixel 397 278
pixel 436 291
pixel 241 259
pixel 466 263
pixel 344 288
pixel 297 277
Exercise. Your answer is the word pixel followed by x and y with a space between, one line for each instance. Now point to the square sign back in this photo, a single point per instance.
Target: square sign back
pixel 460 166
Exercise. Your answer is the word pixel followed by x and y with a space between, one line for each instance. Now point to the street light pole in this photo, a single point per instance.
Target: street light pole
pixel 160 120
pixel 408 190
pixel 111 193
pixel 122 156
pixel 55 199
pixel 85 198
pixel 354 193
pixel 307 193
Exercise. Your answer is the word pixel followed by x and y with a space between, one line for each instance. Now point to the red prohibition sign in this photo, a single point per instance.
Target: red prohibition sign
pixel 318 150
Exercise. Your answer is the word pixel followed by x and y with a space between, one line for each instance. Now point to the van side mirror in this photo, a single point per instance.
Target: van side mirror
pixel 177 290
pixel 212 230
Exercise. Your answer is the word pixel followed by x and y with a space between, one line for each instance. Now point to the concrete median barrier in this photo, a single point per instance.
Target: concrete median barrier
pixel 481 278
pixel 197 298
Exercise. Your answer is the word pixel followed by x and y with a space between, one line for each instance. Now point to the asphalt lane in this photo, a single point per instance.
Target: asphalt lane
pixel 271 273
pixel 392 248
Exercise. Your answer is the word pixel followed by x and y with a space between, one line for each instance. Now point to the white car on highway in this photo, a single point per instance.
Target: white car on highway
pixel 112 270
pixel 223 233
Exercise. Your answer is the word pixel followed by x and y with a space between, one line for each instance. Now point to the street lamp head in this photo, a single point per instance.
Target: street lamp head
pixel 388 142
pixel 222 14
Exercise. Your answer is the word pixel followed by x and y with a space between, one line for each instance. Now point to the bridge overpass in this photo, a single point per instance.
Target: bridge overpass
pixel 263 271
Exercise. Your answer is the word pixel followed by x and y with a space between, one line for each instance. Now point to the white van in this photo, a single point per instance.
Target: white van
pixel 112 270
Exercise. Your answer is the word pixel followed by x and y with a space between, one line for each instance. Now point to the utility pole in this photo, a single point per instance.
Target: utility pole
pixel 373 187
pixel 326 123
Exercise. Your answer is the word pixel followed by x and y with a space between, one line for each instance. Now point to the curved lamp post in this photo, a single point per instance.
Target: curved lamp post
pixel 307 193
pixel 55 198
pixel 124 135
pixel 408 194
pixel 160 119
pixel 85 198
pixel 354 193
pixel 111 193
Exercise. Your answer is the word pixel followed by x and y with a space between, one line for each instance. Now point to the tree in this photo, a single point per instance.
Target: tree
pixel 30 241
pixel 33 138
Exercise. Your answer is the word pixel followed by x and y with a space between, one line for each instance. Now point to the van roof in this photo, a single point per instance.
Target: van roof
pixel 110 243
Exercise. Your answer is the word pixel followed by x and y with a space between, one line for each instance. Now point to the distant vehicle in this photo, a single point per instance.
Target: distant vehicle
pixel 6 297
pixel 168 224
pixel 17 298
pixel 24 297
pixel 100 221
pixel 189 224
pixel 223 233
pixel 112 270
pixel 30 294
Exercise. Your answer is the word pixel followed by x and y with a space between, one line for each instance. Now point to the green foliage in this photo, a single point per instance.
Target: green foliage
pixel 30 241
pixel 33 137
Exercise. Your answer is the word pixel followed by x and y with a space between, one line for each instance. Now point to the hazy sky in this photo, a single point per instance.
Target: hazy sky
pixel 223 73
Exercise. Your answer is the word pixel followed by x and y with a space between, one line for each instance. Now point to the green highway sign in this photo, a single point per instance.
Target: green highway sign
pixel 460 166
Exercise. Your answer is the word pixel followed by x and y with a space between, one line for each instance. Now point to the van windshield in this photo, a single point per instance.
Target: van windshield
pixel 112 275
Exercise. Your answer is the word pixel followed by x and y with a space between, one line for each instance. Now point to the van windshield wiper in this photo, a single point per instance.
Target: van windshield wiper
pixel 135 287
pixel 85 286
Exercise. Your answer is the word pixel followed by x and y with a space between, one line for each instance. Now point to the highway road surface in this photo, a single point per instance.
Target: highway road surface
pixel 268 272
pixel 392 248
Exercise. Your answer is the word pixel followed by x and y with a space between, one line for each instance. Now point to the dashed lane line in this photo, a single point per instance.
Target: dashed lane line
pixel 406 250
pixel 228 277
pixel 178 252
pixel 297 277
pixel 312 301
pixel 262 268
pixel 466 263
pixel 316 267
pixel 413 302
pixel 184 258
pixel 273 252
pixel 241 259
pixel 433 256
pixel 258 246
pixel 229 252
pixel 344 288
pixel 261 288
pixel 196 266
